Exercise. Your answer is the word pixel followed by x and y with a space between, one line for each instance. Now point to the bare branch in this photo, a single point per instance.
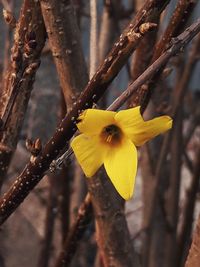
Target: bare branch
pixel 29 40
pixel 33 172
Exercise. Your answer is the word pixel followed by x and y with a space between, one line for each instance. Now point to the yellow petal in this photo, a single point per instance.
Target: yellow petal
pixel 138 130
pixel 89 153
pixel 121 166
pixel 92 121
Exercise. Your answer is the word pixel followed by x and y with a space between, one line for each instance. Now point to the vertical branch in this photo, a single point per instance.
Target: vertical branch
pixel 75 234
pixel 65 42
pixel 11 24
pixel 112 235
pixel 45 252
pixel 180 93
pixel 193 258
pixel 172 195
pixel 29 40
pixel 93 37
pixel 188 213
pixel 143 56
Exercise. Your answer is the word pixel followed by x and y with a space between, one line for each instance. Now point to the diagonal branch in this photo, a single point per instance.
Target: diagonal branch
pixel 180 42
pixel 33 171
pixel 122 49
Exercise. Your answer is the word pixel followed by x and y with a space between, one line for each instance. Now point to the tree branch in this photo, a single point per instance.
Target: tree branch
pixel 33 172
pixel 29 40
pixel 180 42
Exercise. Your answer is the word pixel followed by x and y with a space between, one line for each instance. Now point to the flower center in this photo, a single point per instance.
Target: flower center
pixel 111 134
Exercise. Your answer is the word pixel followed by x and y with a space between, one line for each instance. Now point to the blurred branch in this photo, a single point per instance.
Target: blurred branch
pixel 93 37
pixel 188 161
pixel 194 122
pixel 188 212
pixel 46 245
pixel 76 232
pixel 193 258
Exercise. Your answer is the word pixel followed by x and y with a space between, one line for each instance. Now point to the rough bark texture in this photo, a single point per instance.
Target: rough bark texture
pixel 29 40
pixel 112 232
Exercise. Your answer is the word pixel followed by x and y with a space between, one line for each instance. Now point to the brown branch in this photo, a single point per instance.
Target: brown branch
pixel 181 90
pixel 175 26
pixel 188 161
pixel 188 213
pixel 11 24
pixel 176 45
pixel 113 238
pixel 173 192
pixel 195 121
pixel 46 246
pixel 180 16
pixel 147 74
pixel 33 172
pixel 144 53
pixel 28 42
pixel 65 44
pixel 193 258
pixel 75 234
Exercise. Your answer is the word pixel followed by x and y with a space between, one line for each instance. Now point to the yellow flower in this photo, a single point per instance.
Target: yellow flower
pixel 110 138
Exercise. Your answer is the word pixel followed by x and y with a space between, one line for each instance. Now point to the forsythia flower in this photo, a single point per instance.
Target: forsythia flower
pixel 110 138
